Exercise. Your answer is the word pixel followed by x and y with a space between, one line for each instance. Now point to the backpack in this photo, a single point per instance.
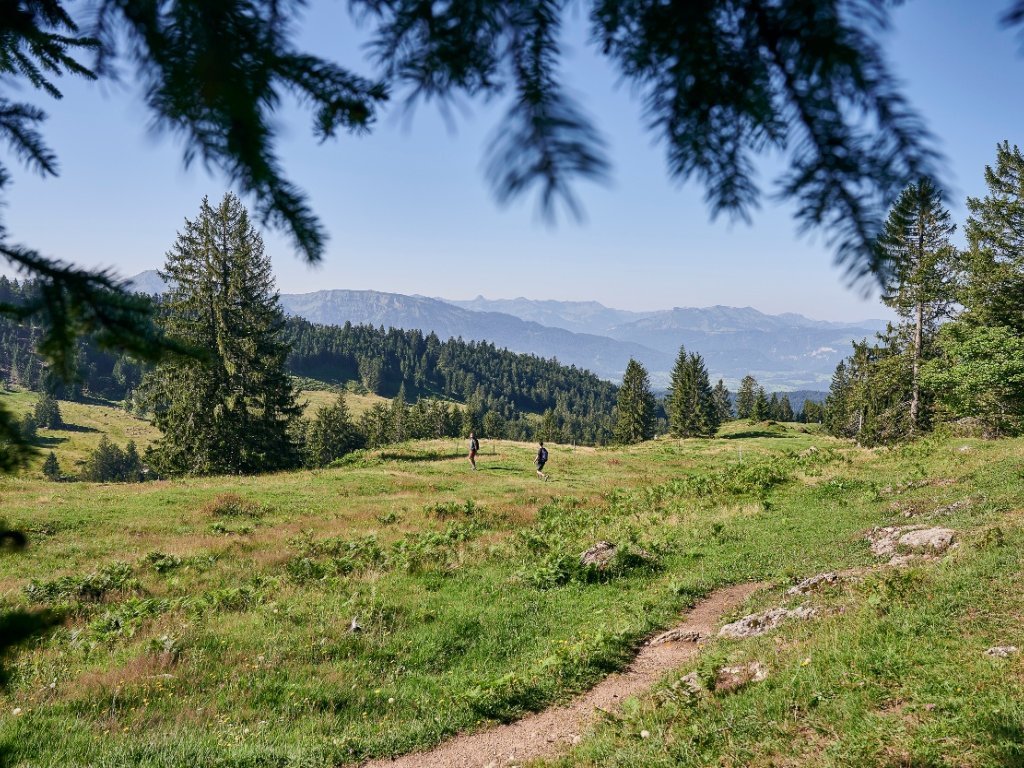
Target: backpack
pixel 542 455
pixel 474 444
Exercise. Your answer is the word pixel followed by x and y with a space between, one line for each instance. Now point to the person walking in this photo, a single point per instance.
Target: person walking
pixel 542 459
pixel 474 449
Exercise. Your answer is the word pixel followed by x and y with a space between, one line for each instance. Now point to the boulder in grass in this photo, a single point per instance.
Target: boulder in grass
pixel 736 676
pixel 927 541
pixel 758 623
pixel 892 540
pixel 813 583
pixel 1002 651
pixel 599 555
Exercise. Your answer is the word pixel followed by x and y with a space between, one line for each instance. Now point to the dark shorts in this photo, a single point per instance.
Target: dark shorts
pixel 540 465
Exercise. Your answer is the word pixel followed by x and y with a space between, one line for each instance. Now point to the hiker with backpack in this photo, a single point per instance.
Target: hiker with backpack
pixel 542 459
pixel 474 449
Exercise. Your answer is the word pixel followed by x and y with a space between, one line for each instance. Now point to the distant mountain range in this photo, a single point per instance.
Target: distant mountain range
pixel 786 351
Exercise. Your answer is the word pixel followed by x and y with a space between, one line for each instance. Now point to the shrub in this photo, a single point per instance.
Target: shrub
pixel 233 505
pixel 115 577
pixel 161 562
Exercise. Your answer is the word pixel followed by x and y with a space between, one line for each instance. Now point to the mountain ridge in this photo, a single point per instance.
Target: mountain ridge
pixel 786 351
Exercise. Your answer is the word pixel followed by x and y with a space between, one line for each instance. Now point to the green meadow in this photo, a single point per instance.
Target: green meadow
pixel 392 601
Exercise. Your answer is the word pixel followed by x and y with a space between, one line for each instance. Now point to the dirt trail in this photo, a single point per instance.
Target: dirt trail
pixel 549 732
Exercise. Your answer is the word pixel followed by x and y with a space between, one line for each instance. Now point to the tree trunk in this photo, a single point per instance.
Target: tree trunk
pixel 915 383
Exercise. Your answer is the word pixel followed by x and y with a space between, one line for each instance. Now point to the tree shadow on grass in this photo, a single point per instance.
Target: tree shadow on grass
pixel 758 433
pixel 48 442
pixel 77 428
pixel 429 456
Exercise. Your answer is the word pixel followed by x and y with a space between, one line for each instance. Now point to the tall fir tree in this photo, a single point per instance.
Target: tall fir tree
pixel 679 400
pixel 230 411
pixel 635 410
pixel 786 409
pixel 995 238
pixel 924 270
pixel 759 412
pixel 980 374
pixel 746 397
pixel 331 434
pixel 690 403
pixel 723 402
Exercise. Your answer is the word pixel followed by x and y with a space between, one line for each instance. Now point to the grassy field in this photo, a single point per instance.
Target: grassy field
pixel 208 622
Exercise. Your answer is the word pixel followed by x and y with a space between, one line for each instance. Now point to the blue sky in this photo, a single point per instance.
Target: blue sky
pixel 408 210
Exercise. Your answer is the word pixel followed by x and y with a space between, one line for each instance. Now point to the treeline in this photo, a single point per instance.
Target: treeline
pixel 502 394
pixel 956 354
pixel 99 373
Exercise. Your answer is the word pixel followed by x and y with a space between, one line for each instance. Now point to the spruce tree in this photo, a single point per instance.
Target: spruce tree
pixel 723 402
pixel 786 409
pixel 773 407
pixel 230 411
pixel 746 397
pixel 331 434
pixel 681 389
pixel 635 410
pixel 924 275
pixel 836 414
pixel 995 237
pixel 691 403
pixel 47 412
pixel 760 410
pixel 51 469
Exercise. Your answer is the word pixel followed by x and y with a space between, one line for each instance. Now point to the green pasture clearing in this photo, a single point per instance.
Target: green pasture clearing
pixel 208 621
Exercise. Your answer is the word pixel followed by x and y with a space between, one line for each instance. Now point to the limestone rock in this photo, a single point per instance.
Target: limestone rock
pixel 734 677
pixel 814 582
pixel 910 539
pixel 1002 651
pixel 758 623
pixel 932 541
pixel 599 555
pixel 678 635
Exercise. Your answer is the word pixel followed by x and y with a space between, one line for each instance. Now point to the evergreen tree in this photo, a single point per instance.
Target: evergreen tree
pixel 680 399
pixel 786 409
pixel 47 412
pixel 331 434
pixel 691 403
pixel 995 235
pixel 51 469
pixel 635 410
pixel 746 397
pixel 29 428
pixel 760 410
pixel 230 411
pixel 398 416
pixel 924 275
pixel 979 373
pixel 773 407
pixel 836 414
pixel 723 402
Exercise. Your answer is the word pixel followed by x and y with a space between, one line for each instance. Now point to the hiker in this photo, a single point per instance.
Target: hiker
pixel 474 449
pixel 542 459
